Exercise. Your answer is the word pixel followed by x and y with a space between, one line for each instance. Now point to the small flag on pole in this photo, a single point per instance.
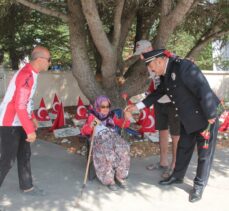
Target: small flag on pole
pixel 81 110
pixel 42 113
pixel 59 121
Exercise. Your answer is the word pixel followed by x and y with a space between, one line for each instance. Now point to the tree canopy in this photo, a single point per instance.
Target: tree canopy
pixel 102 33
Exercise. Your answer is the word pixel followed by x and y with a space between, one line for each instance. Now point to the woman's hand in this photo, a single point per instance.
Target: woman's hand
pixel 211 121
pixel 127 115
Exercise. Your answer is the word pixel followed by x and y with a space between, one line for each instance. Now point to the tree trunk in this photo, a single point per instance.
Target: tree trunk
pixel 137 80
pixel 80 62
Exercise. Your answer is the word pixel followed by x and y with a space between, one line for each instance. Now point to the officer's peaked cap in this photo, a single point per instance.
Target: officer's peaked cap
pixel 151 55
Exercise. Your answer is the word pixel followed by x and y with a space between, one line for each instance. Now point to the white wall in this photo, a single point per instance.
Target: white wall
pixel 220 53
pixel 49 83
pixel 219 82
pixel 67 89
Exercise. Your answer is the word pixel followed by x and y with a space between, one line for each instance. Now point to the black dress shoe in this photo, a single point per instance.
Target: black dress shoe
pixel 170 180
pixel 195 194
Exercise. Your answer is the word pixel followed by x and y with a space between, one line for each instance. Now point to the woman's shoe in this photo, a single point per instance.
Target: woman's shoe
pixel 35 191
pixel 122 183
pixel 112 187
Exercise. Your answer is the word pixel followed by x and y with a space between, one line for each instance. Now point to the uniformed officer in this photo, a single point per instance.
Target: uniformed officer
pixel 196 105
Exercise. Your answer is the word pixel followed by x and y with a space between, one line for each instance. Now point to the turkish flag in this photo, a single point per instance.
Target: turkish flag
pixel 147 120
pixel 143 115
pixel 81 110
pixel 59 121
pixel 55 105
pixel 42 113
pixel 225 118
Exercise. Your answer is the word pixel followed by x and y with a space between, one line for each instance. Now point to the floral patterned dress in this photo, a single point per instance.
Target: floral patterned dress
pixel 111 153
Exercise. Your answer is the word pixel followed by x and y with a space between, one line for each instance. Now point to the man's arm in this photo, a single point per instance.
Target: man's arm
pixel 24 84
pixel 149 100
pixel 154 96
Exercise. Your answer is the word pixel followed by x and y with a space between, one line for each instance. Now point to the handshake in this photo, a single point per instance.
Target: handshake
pixel 128 112
pixel 131 108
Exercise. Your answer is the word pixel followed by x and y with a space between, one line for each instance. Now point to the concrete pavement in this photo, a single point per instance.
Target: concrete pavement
pixel 61 174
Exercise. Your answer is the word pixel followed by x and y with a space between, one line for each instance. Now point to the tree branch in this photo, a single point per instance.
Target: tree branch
pixel 204 40
pixel 181 10
pixel 136 82
pixel 170 21
pixel 127 64
pixel 194 5
pixel 96 28
pixel 166 7
pixel 117 22
pixel 44 10
pixel 127 20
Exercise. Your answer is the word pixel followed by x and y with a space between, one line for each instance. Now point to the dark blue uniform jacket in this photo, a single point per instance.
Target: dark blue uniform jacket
pixel 189 91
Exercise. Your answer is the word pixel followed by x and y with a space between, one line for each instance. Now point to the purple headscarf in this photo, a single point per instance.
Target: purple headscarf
pixel 106 120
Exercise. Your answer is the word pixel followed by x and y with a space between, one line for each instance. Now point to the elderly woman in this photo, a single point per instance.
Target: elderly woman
pixel 111 153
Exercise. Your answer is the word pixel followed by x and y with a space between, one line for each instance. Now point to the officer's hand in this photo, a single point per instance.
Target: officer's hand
pixel 211 121
pixel 131 108
pixel 31 137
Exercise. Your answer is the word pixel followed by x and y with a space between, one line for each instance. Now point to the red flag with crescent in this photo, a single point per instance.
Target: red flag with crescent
pixel 147 120
pixel 143 115
pixel 42 113
pixel 59 121
pixel 55 105
pixel 81 110
pixel 225 121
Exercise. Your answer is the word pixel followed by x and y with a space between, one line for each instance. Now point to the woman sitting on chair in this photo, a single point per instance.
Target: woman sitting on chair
pixel 111 153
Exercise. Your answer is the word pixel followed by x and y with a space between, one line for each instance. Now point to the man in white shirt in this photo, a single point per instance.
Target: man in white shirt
pixel 17 121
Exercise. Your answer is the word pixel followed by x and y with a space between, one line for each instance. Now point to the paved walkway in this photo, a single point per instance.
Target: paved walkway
pixel 61 175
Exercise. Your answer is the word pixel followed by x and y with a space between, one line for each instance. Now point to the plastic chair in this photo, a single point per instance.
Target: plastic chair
pixel 118 112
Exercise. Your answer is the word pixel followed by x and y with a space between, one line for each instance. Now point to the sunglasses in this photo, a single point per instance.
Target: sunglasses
pixel 104 106
pixel 48 59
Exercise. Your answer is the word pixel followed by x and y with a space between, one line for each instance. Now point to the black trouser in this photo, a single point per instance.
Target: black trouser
pixel 185 150
pixel 12 145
